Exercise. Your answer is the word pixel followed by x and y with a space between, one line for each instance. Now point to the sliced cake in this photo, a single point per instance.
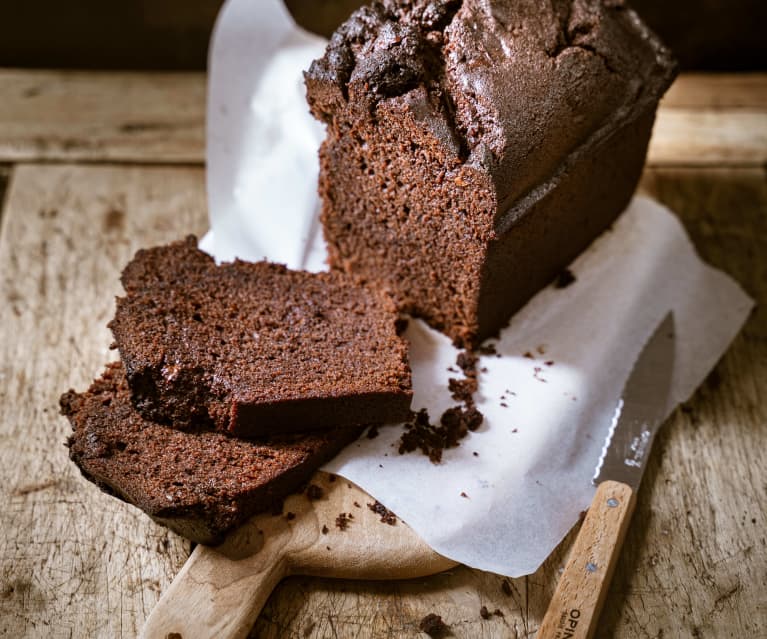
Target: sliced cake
pixel 255 349
pixel 200 484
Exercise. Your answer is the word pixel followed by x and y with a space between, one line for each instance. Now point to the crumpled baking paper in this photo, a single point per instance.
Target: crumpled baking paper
pixel 504 499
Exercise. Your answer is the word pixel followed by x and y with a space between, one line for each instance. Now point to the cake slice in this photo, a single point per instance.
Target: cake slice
pixel 199 484
pixel 255 349
pixel 475 147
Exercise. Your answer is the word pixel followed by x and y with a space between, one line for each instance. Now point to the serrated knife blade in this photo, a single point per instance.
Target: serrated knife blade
pixel 574 609
pixel 640 411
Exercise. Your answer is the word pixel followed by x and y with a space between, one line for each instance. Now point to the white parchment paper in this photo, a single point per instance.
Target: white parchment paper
pixel 548 397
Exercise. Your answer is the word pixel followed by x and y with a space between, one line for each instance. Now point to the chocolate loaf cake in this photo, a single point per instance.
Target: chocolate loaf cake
pixel 199 484
pixel 475 147
pixel 256 349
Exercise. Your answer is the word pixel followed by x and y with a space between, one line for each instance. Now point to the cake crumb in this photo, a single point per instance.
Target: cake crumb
pixel 564 279
pixel 489 349
pixel 372 432
pixel 466 361
pixel 475 453
pixel 433 626
pixel 464 495
pixel 497 612
pixel 462 390
pixel 342 521
pixel 357 504
pixel 484 612
pixel 387 516
pixel 325 530
pixel 529 355
pixel 431 440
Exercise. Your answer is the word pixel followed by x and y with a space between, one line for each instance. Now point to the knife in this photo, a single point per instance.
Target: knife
pixel 574 610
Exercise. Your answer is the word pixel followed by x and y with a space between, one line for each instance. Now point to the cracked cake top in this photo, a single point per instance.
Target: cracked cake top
pixel 511 86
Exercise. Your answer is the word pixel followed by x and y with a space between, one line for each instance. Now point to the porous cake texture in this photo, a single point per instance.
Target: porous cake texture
pixel 255 349
pixel 199 484
pixel 475 147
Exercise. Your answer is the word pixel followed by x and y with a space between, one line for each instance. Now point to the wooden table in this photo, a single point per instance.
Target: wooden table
pixel 95 166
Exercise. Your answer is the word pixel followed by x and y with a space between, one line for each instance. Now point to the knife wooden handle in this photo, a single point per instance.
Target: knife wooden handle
pixel 574 610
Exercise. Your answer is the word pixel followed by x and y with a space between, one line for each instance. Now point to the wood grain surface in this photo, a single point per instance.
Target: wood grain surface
pixel 220 591
pixel 159 117
pixel 76 563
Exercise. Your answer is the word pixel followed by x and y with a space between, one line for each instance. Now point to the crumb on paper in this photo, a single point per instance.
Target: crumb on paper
pixel 387 516
pixel 431 440
pixel 489 349
pixel 466 361
pixel 462 390
pixel 464 495
pixel 372 432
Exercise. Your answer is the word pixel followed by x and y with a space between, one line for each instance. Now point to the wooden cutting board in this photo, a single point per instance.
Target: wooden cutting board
pixel 220 591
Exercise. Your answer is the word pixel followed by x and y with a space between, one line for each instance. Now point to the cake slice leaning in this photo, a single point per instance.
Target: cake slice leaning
pixel 199 484
pixel 254 349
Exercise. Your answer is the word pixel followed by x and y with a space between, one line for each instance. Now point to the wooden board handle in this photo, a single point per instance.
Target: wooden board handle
pixel 220 591
pixel 574 610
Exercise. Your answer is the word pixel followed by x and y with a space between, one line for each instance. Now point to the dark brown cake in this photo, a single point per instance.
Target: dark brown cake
pixel 474 148
pixel 199 484
pixel 254 348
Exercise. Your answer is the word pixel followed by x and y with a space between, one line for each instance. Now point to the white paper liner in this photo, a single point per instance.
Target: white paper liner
pixel 536 456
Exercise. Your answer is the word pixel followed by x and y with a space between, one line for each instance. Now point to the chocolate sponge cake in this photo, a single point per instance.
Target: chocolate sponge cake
pixel 475 147
pixel 255 349
pixel 199 484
